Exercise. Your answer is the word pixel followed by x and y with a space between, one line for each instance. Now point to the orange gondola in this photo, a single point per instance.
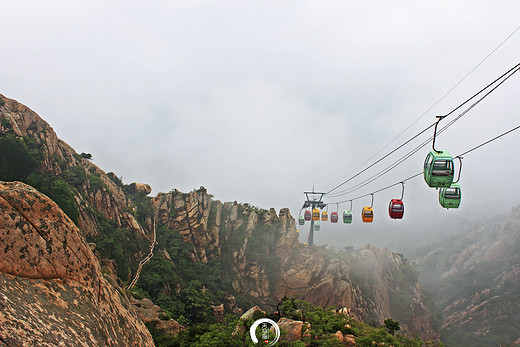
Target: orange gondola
pixel 367 213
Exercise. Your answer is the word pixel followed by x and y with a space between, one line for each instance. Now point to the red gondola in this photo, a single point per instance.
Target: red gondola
pixel 334 217
pixel 396 207
pixel 307 215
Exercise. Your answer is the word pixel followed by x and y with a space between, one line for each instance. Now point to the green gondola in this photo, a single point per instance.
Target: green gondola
pixel 317 226
pixel 301 220
pixel 347 217
pixel 438 169
pixel 450 197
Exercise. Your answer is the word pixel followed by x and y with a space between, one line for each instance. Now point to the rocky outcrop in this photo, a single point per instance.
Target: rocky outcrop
pixel 268 262
pixel 295 330
pixel 150 313
pixel 140 188
pixel 345 340
pixel 52 289
pixel 370 284
pixel 476 279
pixel 96 192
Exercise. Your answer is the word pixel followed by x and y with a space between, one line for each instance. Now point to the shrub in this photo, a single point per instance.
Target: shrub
pixel 58 190
pixel 76 176
pixel 17 159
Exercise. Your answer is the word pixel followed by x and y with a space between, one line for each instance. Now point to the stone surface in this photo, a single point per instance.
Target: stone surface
pixel 148 312
pixel 249 313
pixel 141 188
pixel 52 289
pixel 295 330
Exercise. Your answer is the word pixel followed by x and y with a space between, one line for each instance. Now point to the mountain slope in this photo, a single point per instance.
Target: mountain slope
pixel 476 281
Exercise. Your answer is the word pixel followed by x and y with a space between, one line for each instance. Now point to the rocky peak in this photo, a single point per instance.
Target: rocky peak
pixel 94 191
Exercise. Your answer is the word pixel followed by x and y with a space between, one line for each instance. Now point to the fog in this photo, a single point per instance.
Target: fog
pixel 260 101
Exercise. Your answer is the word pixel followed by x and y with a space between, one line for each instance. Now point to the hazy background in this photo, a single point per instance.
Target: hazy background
pixel 259 101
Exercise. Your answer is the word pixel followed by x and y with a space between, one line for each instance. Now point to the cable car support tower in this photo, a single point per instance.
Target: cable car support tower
pixel 313 203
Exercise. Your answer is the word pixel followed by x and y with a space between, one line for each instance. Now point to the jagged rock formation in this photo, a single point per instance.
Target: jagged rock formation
pixel 51 285
pixel 269 263
pixel 476 280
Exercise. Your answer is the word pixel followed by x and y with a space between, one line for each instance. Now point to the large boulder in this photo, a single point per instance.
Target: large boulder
pixel 52 290
pixel 141 188
pixel 295 330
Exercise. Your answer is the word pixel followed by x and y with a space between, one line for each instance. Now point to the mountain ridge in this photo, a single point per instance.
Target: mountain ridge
pixel 476 278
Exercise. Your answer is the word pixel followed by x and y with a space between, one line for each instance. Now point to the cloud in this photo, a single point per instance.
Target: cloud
pixel 259 101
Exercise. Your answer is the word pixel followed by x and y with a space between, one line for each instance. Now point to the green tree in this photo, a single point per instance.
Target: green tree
pixel 76 176
pixel 392 326
pixel 17 159
pixel 58 190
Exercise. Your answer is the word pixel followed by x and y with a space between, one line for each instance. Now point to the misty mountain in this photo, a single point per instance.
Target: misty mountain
pixel 475 280
pixel 206 253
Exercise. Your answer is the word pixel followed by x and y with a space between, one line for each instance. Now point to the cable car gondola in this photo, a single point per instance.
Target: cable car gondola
pixel 438 165
pixel 450 197
pixel 317 226
pixel 334 217
pixel 347 217
pixel 307 215
pixel 438 169
pixel 396 207
pixel 315 214
pixel 367 213
pixel 301 220
pixel 324 216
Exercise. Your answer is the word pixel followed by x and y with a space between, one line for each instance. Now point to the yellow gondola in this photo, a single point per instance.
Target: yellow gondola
pixel 367 214
pixel 315 214
pixel 324 216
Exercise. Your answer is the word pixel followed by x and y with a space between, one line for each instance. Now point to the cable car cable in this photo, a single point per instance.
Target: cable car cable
pixel 409 154
pixel 485 143
pixel 503 76
pixel 435 104
pixel 359 173
pixel 420 173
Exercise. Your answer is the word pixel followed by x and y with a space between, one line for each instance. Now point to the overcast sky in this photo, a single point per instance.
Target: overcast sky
pixel 260 100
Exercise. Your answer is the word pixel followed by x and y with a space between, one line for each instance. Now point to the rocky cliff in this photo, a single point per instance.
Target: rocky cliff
pixel 207 252
pixel 52 290
pixel 268 262
pixel 95 191
pixel 476 281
